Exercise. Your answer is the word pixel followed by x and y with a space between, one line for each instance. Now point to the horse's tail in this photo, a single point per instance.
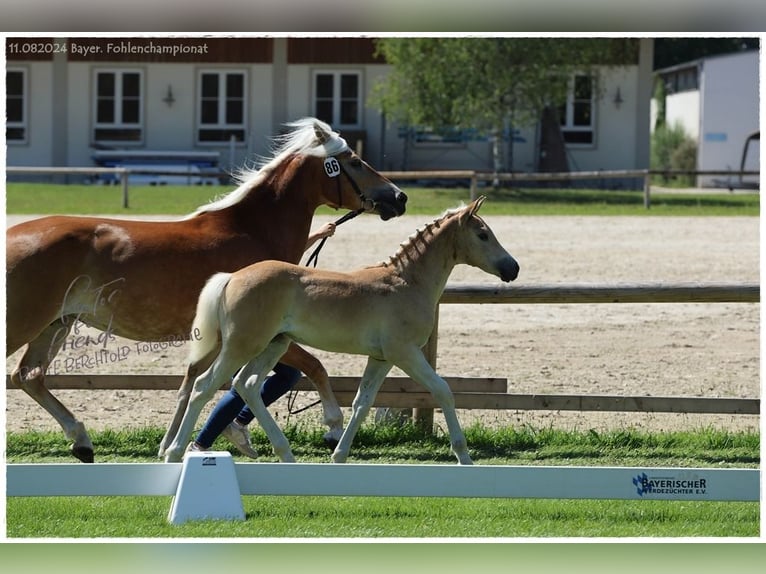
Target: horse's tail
pixel 207 323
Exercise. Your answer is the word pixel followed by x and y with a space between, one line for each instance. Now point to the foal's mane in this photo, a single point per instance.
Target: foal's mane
pixel 300 140
pixel 421 234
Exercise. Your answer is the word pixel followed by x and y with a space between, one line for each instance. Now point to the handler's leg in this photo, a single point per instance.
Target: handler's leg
pixel 220 417
pixel 231 414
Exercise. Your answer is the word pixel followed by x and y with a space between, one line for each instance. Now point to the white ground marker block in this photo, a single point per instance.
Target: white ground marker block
pixel 207 489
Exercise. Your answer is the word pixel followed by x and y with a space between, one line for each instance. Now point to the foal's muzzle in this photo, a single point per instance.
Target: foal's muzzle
pixel 509 269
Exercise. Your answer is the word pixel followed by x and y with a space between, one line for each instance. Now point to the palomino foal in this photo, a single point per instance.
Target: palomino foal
pixel 385 312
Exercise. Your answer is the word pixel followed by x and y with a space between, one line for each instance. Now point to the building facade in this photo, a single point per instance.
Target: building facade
pixel 716 101
pixel 74 101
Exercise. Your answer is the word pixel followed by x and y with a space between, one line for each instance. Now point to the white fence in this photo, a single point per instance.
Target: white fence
pixel 208 485
pixel 430 480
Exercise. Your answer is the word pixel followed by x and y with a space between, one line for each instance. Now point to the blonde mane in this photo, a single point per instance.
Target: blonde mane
pixel 409 245
pixel 301 140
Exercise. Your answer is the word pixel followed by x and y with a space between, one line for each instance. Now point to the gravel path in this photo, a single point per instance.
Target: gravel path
pixel 709 350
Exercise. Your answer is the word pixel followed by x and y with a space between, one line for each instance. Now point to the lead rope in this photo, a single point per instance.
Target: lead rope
pixel 292 395
pixel 337 168
pixel 315 255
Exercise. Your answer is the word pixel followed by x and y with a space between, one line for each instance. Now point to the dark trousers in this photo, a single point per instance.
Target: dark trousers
pixel 232 406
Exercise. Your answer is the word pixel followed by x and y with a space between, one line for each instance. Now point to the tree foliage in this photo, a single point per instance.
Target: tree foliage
pixel 673 149
pixel 480 83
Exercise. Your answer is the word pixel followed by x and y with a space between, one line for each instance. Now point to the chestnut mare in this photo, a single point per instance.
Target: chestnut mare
pixel 141 280
pixel 385 312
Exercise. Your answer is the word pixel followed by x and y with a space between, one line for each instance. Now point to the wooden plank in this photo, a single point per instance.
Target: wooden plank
pixel 560 175
pixel 710 405
pixel 65 170
pixel 432 174
pixel 339 384
pixel 109 382
pixel 502 401
pixel 406 385
pixel 615 173
pixel 574 293
pixel 400 392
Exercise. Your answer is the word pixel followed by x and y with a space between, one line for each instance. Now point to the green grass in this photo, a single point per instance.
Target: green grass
pixel 371 517
pixel 410 444
pixel 24 198
pixel 349 517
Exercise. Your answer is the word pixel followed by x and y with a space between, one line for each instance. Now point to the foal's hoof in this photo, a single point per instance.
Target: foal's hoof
pixel 84 453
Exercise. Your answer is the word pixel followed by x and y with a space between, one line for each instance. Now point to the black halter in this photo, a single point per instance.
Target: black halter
pixel 350 215
pixel 353 184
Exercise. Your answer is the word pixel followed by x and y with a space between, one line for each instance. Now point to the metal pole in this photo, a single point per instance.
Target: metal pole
pixel 124 181
pixel 647 190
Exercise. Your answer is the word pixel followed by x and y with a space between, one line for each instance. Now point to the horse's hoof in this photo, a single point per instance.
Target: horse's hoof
pixel 330 442
pixel 84 453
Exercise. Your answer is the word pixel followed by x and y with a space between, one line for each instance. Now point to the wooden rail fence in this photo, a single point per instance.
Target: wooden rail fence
pixel 492 393
pixel 473 177
pixel 592 294
pixel 582 293
pixel 469 393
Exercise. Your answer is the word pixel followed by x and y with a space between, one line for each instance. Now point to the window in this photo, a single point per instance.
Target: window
pixel 16 105
pixel 682 81
pixel 118 107
pixel 576 115
pixel 337 98
pixel 221 109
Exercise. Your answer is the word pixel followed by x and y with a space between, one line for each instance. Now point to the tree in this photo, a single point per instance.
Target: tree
pixel 486 84
pixel 673 149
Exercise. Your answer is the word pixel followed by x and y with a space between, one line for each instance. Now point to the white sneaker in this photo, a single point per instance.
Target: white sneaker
pixel 193 447
pixel 240 437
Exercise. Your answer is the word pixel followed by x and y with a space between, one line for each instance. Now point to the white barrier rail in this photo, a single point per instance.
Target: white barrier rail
pixel 324 479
